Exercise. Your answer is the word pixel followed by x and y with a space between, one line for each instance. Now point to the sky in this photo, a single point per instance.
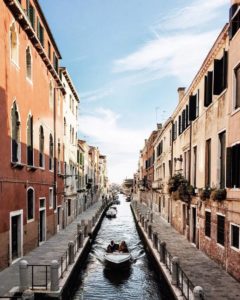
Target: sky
pixel 127 59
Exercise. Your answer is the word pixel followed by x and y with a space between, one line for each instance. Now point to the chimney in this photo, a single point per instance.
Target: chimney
pixel 159 126
pixel 181 91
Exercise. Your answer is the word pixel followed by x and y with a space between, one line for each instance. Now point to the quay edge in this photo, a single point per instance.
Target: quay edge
pixel 155 255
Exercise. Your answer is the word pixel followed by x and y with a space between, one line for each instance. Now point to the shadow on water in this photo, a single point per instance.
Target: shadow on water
pixel 117 277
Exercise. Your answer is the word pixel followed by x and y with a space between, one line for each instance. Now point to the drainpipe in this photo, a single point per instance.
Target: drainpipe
pixel 55 159
pixel 171 173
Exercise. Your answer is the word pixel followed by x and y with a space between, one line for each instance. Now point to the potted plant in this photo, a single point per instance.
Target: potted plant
pixel 205 193
pixel 219 194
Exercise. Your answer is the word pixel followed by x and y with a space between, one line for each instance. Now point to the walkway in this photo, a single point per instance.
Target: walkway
pixel 200 269
pixel 52 249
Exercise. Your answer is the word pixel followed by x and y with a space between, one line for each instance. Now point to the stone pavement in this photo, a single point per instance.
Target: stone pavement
pixel 200 269
pixel 52 249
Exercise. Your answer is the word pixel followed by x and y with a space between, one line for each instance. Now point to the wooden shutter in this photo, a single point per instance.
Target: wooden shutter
pixel 205 91
pixel 229 168
pixel 192 107
pixel 210 87
pixel 218 77
pixel 32 16
pixel 183 120
pixel 225 69
pixel 187 116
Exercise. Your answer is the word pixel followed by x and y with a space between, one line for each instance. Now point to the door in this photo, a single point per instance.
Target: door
pixel 15 236
pixel 194 224
pixel 42 226
pixel 183 218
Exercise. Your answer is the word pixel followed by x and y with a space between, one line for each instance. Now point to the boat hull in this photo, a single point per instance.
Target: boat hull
pixel 117 261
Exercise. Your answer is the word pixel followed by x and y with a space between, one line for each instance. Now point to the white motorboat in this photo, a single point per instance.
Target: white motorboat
pixel 118 260
pixel 111 213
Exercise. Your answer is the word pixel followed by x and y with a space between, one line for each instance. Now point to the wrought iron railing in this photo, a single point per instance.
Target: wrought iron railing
pixel 184 284
pixel 40 276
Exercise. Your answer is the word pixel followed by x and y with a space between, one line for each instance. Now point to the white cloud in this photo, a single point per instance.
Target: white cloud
pixel 200 12
pixel 121 145
pixel 178 47
pixel 96 95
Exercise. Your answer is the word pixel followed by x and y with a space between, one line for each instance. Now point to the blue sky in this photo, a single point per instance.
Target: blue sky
pixel 127 58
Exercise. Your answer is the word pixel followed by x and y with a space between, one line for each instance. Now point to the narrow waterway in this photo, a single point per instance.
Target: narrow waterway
pixel 141 282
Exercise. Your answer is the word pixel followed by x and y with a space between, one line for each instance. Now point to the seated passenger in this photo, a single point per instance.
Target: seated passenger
pixel 123 247
pixel 112 247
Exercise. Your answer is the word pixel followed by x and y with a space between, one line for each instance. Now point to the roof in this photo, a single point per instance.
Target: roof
pixel 70 83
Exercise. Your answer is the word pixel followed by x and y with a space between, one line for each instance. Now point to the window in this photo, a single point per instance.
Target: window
pixel 220 74
pixel 160 148
pixel 70 132
pixel 70 102
pixel 41 147
pixel 14 43
pixel 233 167
pixel 235 234
pixel 222 145
pixel 179 125
pixel 208 163
pixel 170 137
pixel 183 120
pixel 69 207
pixel 29 63
pixel 59 155
pixel 192 107
pixel 220 229
pixel 195 166
pixel 55 62
pixel 175 130
pixel 170 167
pixel 237 87
pixel 16 146
pixel 208 86
pixel 187 116
pixel 208 223
pixel 31 13
pixel 235 21
pixel 50 197
pixel 50 152
pixel 30 204
pixel 30 141
pixel 49 50
pixel 40 33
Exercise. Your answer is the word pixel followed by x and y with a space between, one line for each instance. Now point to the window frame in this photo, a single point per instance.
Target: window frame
pixel 231 237
pixel 218 243
pixel 33 205
pixel 234 94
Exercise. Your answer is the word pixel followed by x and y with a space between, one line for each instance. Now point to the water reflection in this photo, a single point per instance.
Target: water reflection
pixel 140 281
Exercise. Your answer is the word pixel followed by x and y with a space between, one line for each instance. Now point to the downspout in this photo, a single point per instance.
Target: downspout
pixel 55 159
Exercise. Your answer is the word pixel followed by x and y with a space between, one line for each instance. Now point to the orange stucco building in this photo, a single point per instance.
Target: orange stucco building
pixel 31 125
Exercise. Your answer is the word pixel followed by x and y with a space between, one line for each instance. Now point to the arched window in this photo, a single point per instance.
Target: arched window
pixel 30 141
pixel 14 43
pixel 30 204
pixel 50 152
pixel 16 147
pixel 29 63
pixel 65 125
pixel 41 147
pixel 51 94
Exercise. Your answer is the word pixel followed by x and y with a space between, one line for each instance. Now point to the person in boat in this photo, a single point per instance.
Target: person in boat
pixel 123 247
pixel 112 247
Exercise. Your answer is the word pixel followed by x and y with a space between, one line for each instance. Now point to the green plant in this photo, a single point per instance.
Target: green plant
pixel 205 193
pixel 219 194
pixel 175 182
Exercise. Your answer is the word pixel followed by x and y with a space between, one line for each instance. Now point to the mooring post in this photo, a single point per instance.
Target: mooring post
pixel 198 293
pixel 28 295
pixel 162 252
pixel 149 231
pixel 54 275
pixel 89 229
pixel 23 275
pixel 155 240
pixel 71 252
pixel 80 239
pixel 175 262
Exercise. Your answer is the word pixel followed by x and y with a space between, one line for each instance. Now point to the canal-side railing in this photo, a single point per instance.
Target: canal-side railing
pixel 184 283
pixel 40 275
pixel 64 262
pixel 179 277
pixel 11 297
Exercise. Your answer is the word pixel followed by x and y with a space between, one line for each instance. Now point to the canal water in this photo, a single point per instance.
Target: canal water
pixel 140 282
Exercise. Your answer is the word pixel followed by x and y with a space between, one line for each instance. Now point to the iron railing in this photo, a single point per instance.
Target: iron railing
pixel 168 260
pixel 40 275
pixel 184 283
pixel 11 297
pixel 64 262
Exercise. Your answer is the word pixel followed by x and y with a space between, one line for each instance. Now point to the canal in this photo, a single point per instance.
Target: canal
pixel 140 282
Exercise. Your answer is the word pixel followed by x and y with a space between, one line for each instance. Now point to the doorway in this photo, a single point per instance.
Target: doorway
pixel 16 233
pixel 194 224
pixel 42 221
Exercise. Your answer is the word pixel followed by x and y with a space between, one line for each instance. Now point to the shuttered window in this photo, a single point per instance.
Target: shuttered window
pixel 220 74
pixel 233 167
pixel 32 15
pixel 208 85
pixel 179 125
pixel 237 88
pixel 187 116
pixel 208 163
pixel 183 120
pixel 220 229
pixel 40 33
pixel 235 232
pixel 235 22
pixel 192 107
pixel 174 131
pixel 208 223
